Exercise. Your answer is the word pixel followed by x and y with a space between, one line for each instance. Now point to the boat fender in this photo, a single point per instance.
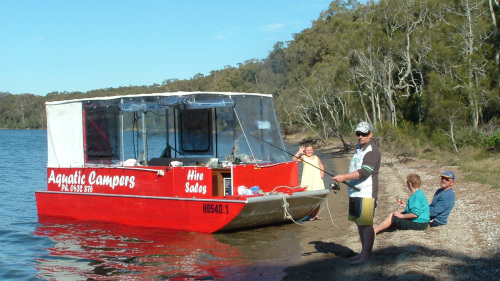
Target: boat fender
pixel 254 190
pixel 176 163
pixel 129 162
pixel 243 190
pixel 213 162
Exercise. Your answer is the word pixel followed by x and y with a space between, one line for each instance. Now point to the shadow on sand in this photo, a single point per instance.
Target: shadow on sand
pixel 336 265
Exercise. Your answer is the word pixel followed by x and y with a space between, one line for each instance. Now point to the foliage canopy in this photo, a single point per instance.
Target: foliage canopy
pixel 427 64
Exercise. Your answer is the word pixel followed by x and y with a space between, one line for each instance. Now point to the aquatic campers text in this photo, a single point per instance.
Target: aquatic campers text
pixel 63 180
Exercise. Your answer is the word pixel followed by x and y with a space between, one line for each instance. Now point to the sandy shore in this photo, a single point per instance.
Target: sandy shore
pixel 468 248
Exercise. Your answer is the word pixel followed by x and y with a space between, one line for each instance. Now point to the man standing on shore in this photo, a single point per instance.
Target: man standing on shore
pixel 363 175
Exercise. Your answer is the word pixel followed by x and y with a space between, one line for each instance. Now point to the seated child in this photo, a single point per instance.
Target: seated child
pixel 416 213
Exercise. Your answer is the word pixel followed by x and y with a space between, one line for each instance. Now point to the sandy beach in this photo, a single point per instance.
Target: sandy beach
pixel 467 248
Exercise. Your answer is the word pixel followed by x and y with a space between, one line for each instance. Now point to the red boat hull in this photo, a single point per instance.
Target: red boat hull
pixel 181 198
pixel 186 214
pixel 191 215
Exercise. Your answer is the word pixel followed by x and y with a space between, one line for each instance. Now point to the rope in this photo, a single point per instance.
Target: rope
pixel 287 215
pixel 331 217
pixel 285 186
pixel 285 207
pixel 328 209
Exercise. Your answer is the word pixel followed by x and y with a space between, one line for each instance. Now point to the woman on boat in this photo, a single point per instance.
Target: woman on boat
pixel 312 172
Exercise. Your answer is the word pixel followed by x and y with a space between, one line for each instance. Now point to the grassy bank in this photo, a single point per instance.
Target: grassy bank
pixel 477 154
pixel 479 165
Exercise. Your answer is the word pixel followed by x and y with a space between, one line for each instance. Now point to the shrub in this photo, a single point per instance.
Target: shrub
pixel 494 141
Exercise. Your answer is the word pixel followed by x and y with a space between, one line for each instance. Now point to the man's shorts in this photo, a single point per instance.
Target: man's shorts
pixel 362 210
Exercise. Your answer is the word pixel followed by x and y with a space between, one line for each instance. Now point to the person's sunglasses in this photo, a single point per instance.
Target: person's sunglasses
pixel 362 134
pixel 446 179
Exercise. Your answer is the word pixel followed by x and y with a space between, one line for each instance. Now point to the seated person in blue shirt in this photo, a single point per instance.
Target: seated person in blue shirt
pixel 416 213
pixel 443 200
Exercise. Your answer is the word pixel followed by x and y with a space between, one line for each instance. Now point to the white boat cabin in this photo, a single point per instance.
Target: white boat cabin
pixel 164 129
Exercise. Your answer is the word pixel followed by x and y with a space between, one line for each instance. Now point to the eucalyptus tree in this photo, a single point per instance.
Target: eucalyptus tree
pixel 494 6
pixel 318 60
pixel 461 45
pixel 389 63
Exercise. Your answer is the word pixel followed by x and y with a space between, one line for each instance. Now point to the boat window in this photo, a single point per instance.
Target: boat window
pixel 226 125
pixel 258 136
pixel 102 139
pixel 195 130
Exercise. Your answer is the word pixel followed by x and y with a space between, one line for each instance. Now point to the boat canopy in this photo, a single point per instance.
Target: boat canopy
pixel 112 130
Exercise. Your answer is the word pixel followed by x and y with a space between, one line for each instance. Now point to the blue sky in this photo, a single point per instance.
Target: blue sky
pixel 69 45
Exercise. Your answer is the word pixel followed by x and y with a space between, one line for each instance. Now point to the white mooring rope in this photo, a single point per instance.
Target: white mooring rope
pixel 287 215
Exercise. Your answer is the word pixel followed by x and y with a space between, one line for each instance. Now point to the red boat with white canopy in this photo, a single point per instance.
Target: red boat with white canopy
pixel 195 161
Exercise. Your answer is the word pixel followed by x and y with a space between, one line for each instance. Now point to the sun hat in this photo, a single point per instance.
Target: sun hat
pixel 448 174
pixel 364 127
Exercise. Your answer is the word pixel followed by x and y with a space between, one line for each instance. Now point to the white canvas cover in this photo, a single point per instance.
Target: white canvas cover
pixel 65 135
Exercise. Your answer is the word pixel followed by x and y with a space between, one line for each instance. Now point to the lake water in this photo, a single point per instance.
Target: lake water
pixel 56 249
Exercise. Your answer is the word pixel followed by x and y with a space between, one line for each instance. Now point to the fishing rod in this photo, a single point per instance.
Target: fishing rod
pixel 334 185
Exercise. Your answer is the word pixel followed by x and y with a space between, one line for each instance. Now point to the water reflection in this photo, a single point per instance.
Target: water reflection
pixel 101 251
pixel 104 251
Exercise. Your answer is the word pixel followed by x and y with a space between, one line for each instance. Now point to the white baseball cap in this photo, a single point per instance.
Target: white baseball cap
pixel 364 127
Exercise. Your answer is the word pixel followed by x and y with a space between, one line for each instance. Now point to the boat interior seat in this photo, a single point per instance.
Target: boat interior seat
pixel 185 161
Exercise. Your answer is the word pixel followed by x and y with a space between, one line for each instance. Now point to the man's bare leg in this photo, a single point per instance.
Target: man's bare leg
pixel 368 237
pixel 360 238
